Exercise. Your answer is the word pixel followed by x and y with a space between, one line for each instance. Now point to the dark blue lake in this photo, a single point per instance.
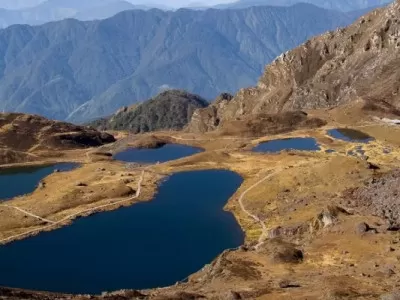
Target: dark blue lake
pixel 162 154
pixel 303 144
pixel 350 135
pixel 19 181
pixel 146 245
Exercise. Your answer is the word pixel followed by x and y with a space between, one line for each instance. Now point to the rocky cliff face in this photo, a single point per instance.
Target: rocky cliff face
pixel 208 118
pixel 357 63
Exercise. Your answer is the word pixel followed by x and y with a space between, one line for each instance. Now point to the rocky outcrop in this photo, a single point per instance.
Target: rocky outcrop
pixel 209 118
pixel 169 110
pixel 212 118
pixel 357 63
pixel 279 251
pixel 267 124
pixel 380 198
pixel 21 134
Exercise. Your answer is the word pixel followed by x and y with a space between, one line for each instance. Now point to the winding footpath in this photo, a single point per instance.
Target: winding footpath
pixel 264 229
pixel 137 194
pixel 208 140
pixel 27 213
pixel 70 217
pixel 253 216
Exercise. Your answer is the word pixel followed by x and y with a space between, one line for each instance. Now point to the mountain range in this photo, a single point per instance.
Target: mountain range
pixel 35 12
pixel 54 10
pixel 340 5
pixel 78 71
pixel 19 4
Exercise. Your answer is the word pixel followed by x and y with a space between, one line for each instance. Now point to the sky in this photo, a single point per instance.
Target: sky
pixel 182 3
pixel 19 4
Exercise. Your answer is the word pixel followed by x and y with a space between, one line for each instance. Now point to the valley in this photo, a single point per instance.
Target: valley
pixel 291 198
pixel 285 190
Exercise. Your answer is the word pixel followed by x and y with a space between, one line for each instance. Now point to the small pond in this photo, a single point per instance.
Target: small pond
pixel 19 181
pixel 273 146
pixel 162 154
pixel 350 135
pixel 146 245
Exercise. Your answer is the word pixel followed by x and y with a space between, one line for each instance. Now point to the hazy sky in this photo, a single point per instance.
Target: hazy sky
pixel 18 4
pixel 180 3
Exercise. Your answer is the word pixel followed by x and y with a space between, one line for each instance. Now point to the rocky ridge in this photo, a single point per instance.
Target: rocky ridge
pixel 357 63
pixel 169 110
pixel 21 135
pixel 209 119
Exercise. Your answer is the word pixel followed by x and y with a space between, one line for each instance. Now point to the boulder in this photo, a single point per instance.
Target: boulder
pixel 279 251
pixel 391 296
pixel 362 228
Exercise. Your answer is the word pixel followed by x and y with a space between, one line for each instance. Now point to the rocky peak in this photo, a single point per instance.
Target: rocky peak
pixel 223 97
pixel 169 110
pixel 208 118
pixel 357 63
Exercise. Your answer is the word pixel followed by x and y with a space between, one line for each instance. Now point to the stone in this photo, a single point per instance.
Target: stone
pixel 42 185
pixel 371 166
pixel 285 284
pixel 282 252
pixel 391 296
pixel 362 228
pixel 231 295
pixel 244 248
pixel 389 272
pixel 327 219
pixel 275 232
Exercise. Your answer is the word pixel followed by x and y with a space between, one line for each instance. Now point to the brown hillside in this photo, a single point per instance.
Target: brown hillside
pixel 21 135
pixel 357 63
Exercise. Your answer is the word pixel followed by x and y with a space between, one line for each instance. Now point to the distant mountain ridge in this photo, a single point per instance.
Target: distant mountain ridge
pixel 55 10
pixel 84 70
pixel 19 4
pixel 340 5
pixel 36 12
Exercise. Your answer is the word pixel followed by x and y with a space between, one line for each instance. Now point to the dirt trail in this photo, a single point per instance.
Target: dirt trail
pixel 70 217
pixel 208 140
pixel 27 213
pixel 251 215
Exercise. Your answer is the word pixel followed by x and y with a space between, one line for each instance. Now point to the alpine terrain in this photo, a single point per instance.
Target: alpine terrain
pixel 285 190
pixel 79 71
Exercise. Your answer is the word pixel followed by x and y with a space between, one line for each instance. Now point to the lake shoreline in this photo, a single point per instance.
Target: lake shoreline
pixel 198 214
